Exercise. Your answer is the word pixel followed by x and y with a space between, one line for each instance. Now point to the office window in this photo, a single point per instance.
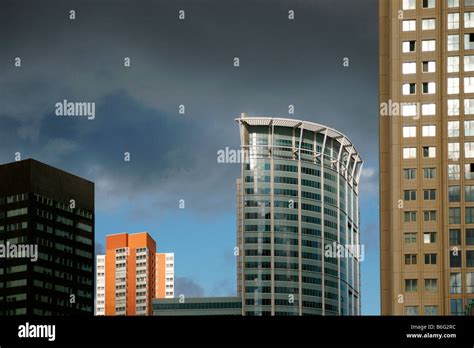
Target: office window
pixel 428 109
pixel 429 87
pixel 428 24
pixel 453 43
pixel 468 19
pixel 454 172
pixel 454 215
pixel 453 107
pixel 454 193
pixel 469 106
pixel 429 151
pixel 455 283
pixel 431 310
pixel 453 151
pixel 430 259
pixel 409 4
pixel 453 21
pixel 469 41
pixel 410 216
pixel 428 66
pixel 429 3
pixel 469 193
pixel 411 285
pixel 470 283
pixel 431 285
pixel 469 215
pixel 429 173
pixel 409 110
pixel 409 174
pixel 429 215
pixel 409 46
pixel 453 3
pixel 409 88
pixel 429 131
pixel 454 237
pixel 410 259
pixel 409 131
pixel 469 85
pixel 453 64
pixel 468 63
pixel 409 68
pixel 429 237
pixel 453 129
pixel 409 25
pixel 455 258
pixel 456 307
pixel 430 45
pixel 469 171
pixel 409 152
pixel 412 310
pixel 469 128
pixel 429 195
pixel 409 195
pixel 470 258
pixel 453 85
pixel 469 236
pixel 468 2
pixel 469 149
pixel 410 237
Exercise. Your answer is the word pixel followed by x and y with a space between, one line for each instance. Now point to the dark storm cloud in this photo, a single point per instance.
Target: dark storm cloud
pixel 174 62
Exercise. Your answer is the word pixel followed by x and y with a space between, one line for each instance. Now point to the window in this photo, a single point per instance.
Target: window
pixel 469 85
pixel 429 152
pixel 469 171
pixel 409 68
pixel 456 307
pixel 429 87
pixel 454 193
pixel 409 132
pixel 412 310
pixel 428 66
pixel 410 238
pixel 453 107
pixel 429 215
pixel 469 236
pixel 409 174
pixel 428 109
pixel 409 25
pixel 469 20
pixel 409 109
pixel 429 195
pixel 469 193
pixel 453 151
pixel 454 237
pixel 411 285
pixel 468 63
pixel 455 259
pixel 409 195
pixel 469 41
pixel 431 285
pixel 429 173
pixel 409 46
pixel 468 2
pixel 430 259
pixel 453 129
pixel 453 3
pixel 410 216
pixel 470 258
pixel 430 45
pixel 431 310
pixel 429 237
pixel 455 283
pixel 429 3
pixel 469 149
pixel 428 24
pixel 453 64
pixel 469 106
pixel 453 20
pixel 454 215
pixel 469 215
pixel 409 4
pixel 453 85
pixel 409 152
pixel 453 43
pixel 469 128
pixel 410 259
pixel 429 131
pixel 454 172
pixel 409 88
pixel 470 283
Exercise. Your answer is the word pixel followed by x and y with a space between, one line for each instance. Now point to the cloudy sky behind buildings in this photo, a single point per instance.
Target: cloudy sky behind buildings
pixel 190 63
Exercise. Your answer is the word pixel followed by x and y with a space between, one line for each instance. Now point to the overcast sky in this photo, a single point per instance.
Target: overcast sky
pixel 190 62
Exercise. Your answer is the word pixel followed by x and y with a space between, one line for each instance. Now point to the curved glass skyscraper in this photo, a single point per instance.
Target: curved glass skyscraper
pixel 298 219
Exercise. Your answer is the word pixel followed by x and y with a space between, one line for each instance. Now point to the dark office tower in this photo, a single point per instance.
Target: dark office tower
pixel 297 208
pixel 52 211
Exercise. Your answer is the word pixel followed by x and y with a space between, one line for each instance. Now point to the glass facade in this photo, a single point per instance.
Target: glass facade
pixel 299 227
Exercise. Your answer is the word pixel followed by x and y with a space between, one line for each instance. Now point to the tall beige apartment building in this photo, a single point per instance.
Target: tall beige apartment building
pixel 427 156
